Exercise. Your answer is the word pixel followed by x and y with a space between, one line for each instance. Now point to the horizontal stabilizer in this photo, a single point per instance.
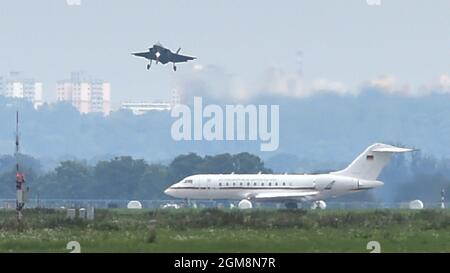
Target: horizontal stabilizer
pixel 392 149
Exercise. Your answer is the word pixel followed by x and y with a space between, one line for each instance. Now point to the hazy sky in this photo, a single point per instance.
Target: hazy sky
pixel 343 42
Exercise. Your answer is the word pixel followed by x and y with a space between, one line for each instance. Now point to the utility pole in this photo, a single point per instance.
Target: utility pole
pixel 20 177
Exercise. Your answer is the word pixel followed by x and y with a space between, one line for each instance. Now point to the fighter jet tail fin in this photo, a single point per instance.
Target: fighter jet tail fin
pixel 178 51
pixel 369 164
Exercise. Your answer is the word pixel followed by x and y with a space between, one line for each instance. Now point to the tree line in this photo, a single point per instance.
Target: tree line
pixel 407 177
pixel 119 178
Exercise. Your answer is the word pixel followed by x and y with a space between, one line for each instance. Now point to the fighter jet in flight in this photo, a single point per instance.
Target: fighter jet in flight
pixel 163 55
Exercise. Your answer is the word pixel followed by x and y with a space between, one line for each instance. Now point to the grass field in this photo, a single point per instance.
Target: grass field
pixel 214 230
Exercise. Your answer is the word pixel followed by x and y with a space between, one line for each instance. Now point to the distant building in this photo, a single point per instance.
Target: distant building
pixel 87 95
pixel 140 108
pixel 14 86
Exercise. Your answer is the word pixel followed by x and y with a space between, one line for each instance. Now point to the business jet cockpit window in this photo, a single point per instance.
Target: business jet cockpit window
pixel 187 181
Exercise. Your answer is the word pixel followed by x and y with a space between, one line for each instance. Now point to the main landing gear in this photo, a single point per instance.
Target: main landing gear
pixel 319 204
pixel 245 204
pixel 291 205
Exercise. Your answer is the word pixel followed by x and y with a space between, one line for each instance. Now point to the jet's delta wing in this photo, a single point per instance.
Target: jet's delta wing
pixel 178 58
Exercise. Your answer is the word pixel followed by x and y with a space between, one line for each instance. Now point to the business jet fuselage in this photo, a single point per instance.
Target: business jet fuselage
pixel 360 175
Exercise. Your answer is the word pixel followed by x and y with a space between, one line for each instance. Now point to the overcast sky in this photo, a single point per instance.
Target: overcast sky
pixel 343 43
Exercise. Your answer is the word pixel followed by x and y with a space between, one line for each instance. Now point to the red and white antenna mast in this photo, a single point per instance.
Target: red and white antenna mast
pixel 20 177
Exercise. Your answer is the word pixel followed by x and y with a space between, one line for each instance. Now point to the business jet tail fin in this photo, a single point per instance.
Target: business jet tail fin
pixel 369 164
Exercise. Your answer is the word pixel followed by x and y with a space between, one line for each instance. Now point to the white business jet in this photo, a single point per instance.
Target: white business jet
pixel 289 189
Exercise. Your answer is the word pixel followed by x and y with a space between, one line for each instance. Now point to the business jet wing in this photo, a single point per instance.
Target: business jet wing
pixel 274 195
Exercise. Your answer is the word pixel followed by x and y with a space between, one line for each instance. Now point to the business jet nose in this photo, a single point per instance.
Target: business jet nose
pixel 168 191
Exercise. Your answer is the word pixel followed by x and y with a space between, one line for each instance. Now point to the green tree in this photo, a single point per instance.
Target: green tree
pixel 185 165
pixel 119 177
pixel 71 179
pixel 248 163
pixel 153 182
pixel 222 163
